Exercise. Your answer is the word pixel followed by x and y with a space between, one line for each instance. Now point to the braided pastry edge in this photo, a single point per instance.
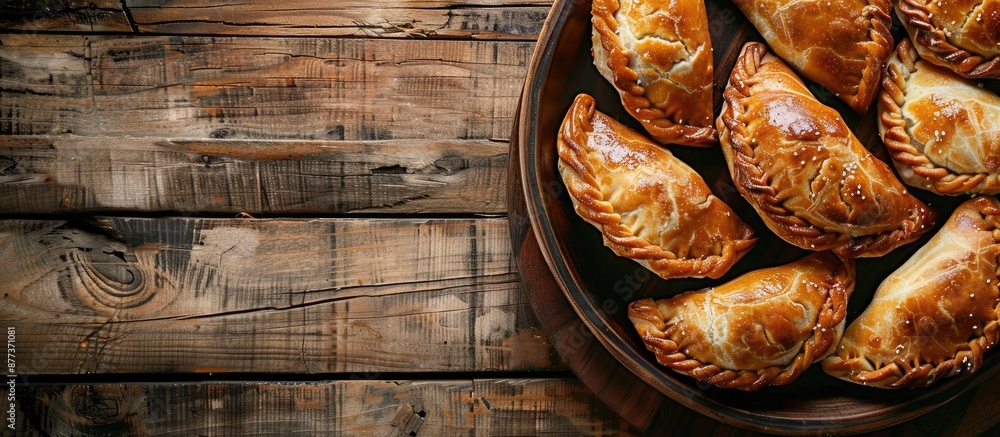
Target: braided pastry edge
pixel 633 96
pixel 902 374
pixel 649 323
pixel 589 203
pixel 916 17
pixel 752 182
pixel 899 142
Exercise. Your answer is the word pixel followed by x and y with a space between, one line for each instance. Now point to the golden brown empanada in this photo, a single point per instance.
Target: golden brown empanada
pixel 937 314
pixel 763 328
pixel 942 131
pixel 840 45
pixel 963 35
pixel 649 205
pixel 658 55
pixel 809 178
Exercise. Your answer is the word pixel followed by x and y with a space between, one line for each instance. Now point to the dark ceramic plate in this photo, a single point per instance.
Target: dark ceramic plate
pixel 599 285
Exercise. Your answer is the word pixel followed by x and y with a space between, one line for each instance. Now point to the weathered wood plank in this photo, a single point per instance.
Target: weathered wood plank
pixel 489 19
pixel 503 19
pixel 55 174
pixel 259 88
pixel 64 16
pixel 242 295
pixel 366 405
pixel 358 407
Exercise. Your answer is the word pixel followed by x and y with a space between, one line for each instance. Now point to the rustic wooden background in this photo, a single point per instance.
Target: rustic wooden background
pixel 193 196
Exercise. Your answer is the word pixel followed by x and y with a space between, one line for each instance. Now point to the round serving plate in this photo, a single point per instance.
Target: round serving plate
pixel 558 252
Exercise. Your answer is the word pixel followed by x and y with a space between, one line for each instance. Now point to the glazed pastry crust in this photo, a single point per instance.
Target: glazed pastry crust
pixel 942 131
pixel 840 45
pixel 649 206
pixel 763 328
pixel 962 35
pixel 797 163
pixel 658 55
pixel 937 314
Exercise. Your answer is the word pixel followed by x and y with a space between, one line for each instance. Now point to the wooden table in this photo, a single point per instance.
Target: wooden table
pixel 282 217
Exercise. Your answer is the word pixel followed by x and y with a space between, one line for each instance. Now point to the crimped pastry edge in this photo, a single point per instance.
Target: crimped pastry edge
pixel 902 374
pixel 880 38
pixel 590 205
pixel 649 323
pixel 916 168
pixel 752 182
pixel 916 18
pixel 633 96
pixel 878 14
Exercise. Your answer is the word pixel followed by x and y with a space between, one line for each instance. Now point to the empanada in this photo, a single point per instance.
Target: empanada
pixel 649 205
pixel 942 131
pixel 963 35
pixel 936 315
pixel 763 328
pixel 797 163
pixel 658 54
pixel 840 45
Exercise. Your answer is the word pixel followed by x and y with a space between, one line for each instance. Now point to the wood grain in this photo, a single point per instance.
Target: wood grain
pixel 64 16
pixel 60 174
pixel 242 295
pixel 366 405
pixel 487 407
pixel 487 19
pixel 259 88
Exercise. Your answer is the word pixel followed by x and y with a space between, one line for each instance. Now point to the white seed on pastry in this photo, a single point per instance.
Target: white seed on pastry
pixel 847 200
pixel 961 35
pixel 942 131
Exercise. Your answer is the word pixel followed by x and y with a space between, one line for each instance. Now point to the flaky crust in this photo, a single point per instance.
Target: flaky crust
pixel 840 45
pixel 658 54
pixel 797 163
pixel 940 129
pixel 648 205
pixel 962 35
pixel 937 314
pixel 763 328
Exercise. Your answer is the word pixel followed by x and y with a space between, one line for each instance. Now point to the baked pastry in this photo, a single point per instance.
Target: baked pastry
pixel 649 206
pixel 763 328
pixel 658 54
pixel 797 163
pixel 940 129
pixel 962 35
pixel 936 315
pixel 840 45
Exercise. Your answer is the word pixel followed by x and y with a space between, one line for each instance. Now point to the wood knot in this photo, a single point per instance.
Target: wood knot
pixel 109 280
pixel 94 410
